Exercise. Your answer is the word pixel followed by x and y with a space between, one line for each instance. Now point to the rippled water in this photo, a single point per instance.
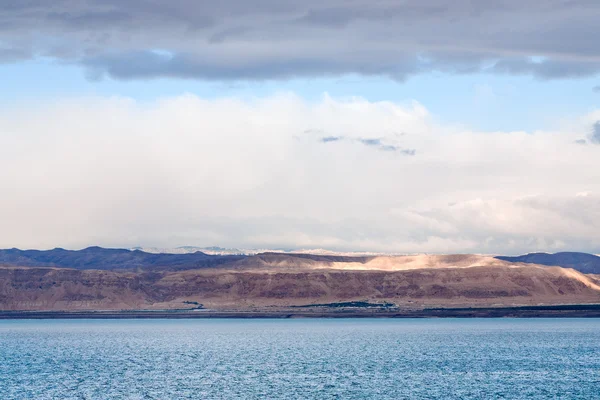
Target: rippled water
pixel 345 359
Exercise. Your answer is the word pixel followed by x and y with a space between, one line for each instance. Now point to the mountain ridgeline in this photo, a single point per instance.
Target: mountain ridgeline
pixel 131 260
pixel 582 262
pixel 118 279
pixel 111 259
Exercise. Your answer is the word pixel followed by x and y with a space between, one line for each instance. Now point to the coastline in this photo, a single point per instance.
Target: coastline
pixel 555 311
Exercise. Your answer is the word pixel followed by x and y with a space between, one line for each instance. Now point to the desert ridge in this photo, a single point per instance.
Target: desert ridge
pixel 278 281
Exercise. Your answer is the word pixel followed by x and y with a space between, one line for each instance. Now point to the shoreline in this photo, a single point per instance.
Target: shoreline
pixel 555 311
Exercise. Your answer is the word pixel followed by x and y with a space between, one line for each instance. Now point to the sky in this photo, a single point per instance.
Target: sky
pixel 391 126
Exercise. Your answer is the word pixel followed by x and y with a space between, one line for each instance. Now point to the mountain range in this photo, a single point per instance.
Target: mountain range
pixel 582 262
pixel 111 259
pixel 190 257
pixel 119 279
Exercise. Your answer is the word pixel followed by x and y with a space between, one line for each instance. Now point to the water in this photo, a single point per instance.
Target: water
pixel 298 359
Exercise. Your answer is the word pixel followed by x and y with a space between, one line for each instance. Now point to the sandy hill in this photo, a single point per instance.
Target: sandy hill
pixel 284 262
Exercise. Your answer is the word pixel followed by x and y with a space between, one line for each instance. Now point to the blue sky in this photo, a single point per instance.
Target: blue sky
pixel 480 101
pixel 418 126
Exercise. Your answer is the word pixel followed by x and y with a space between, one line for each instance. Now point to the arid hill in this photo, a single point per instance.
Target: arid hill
pixel 276 281
pixel 112 259
pixel 583 262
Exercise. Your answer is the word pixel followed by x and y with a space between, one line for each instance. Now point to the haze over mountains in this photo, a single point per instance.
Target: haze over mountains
pixel 212 250
pixel 109 259
pixel 220 251
pixel 583 262
pixel 190 257
pixel 119 279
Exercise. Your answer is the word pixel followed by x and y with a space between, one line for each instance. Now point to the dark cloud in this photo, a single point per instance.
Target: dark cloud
pixel 547 69
pixel 380 145
pixel 375 143
pixel 596 89
pixel 389 147
pixel 12 55
pixel 90 20
pixel 149 64
pixel 273 39
pixel 328 139
pixel 371 142
pixel 222 36
pixel 595 136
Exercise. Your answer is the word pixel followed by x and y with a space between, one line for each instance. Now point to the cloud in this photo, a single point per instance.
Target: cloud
pixel 375 143
pixel 371 142
pixel 380 145
pixel 513 225
pixel 90 20
pixel 596 89
pixel 548 69
pixel 181 170
pixel 408 152
pixel 9 55
pixel 595 136
pixel 270 39
pixel 328 139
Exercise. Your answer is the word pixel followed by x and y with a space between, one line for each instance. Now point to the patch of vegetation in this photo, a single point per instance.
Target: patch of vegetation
pixel 194 303
pixel 350 304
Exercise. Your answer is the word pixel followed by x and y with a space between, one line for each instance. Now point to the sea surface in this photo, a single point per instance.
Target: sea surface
pixel 300 359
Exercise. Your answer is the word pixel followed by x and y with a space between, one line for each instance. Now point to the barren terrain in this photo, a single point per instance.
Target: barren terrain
pixel 279 281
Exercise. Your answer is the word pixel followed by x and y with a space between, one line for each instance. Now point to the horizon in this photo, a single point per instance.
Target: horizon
pixel 216 250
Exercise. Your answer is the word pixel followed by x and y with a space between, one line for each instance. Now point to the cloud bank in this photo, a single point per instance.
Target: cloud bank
pixel 273 39
pixel 281 172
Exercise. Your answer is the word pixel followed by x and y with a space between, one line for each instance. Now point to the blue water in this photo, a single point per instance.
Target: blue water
pixel 298 359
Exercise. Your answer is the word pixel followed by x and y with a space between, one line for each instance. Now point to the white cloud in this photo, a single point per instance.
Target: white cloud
pixel 257 173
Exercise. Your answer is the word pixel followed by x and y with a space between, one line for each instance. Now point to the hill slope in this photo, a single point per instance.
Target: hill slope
pixel 582 262
pixel 110 259
pixel 275 282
